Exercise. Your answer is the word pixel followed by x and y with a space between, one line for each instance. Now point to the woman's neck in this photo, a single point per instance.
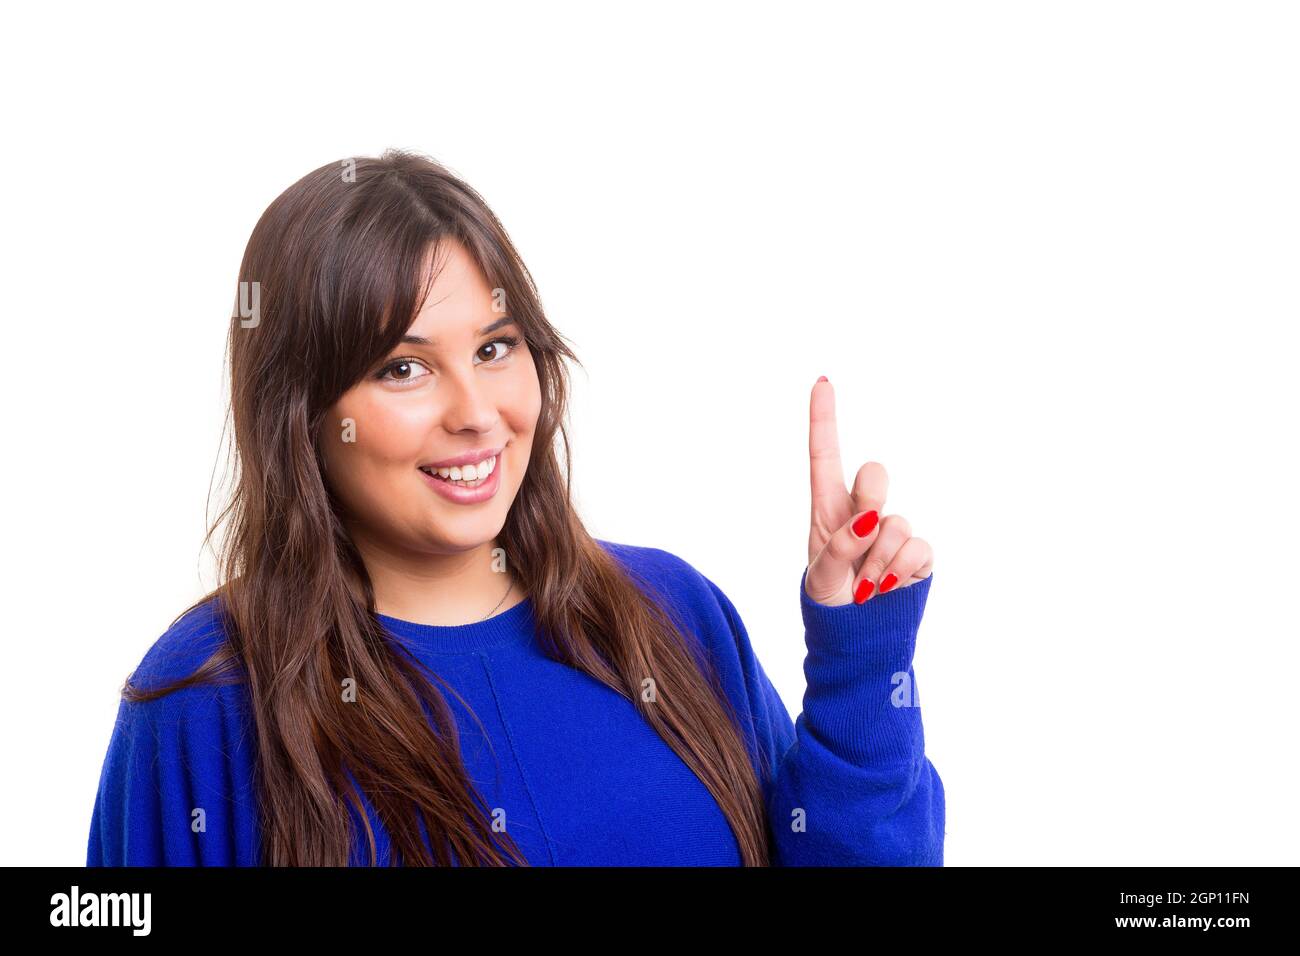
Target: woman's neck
pixel 447 590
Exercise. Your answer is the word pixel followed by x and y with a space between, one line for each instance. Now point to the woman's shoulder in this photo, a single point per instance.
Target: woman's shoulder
pixel 673 576
pixel 174 753
pixel 658 564
pixel 182 648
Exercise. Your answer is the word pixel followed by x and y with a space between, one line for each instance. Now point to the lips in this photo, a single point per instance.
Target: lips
pixel 483 489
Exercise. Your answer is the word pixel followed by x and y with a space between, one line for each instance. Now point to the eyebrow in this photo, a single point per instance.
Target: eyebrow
pixel 421 340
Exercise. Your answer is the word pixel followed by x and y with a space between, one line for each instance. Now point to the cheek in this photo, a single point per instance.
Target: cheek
pixel 372 439
pixel 521 402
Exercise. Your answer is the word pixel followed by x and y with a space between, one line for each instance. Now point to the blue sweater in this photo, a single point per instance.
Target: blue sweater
pixel 581 777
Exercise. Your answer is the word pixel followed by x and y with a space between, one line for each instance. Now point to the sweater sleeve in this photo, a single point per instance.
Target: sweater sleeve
pixel 175 788
pixel 126 823
pixel 848 783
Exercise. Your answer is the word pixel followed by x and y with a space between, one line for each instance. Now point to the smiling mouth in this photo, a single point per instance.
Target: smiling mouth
pixel 464 476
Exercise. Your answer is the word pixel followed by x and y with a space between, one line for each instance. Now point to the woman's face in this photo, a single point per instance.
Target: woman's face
pixel 456 387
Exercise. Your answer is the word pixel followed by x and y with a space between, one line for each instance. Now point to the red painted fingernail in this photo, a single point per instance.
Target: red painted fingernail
pixel 863 592
pixel 862 527
pixel 890 580
pixel 823 379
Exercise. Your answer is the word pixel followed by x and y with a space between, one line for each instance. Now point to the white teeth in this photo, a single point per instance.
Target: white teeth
pixel 467 472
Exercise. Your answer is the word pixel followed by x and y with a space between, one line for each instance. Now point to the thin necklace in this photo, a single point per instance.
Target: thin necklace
pixel 502 601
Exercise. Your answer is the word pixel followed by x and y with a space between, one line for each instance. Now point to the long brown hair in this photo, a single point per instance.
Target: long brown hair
pixel 336 259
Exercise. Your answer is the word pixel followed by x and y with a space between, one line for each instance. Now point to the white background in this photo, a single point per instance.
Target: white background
pixel 1045 252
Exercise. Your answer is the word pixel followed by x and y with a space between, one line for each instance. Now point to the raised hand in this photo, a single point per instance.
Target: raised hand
pixel 853 553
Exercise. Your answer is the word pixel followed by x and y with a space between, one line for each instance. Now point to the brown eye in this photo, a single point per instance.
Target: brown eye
pixel 508 340
pixel 403 370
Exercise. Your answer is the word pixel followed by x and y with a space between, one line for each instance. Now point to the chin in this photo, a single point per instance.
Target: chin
pixel 468 533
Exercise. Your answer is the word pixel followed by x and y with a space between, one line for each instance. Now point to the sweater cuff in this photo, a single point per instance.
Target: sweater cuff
pixel 857 701
pixel 879 635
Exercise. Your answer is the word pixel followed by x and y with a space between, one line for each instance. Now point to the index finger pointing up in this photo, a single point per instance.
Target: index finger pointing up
pixel 824 447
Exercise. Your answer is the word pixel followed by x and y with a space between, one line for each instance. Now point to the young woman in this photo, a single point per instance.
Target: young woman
pixel 417 655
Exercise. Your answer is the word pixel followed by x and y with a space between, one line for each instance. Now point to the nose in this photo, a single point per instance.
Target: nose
pixel 468 403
